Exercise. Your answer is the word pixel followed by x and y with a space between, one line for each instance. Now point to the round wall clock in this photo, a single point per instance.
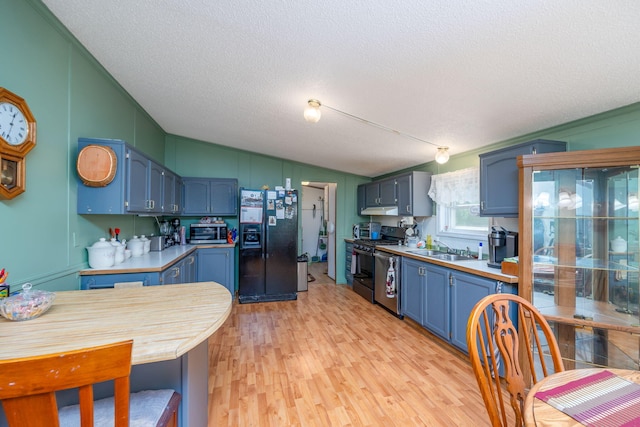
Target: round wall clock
pixel 17 138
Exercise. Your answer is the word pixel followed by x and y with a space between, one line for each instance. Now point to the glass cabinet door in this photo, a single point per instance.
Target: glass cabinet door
pixel 584 261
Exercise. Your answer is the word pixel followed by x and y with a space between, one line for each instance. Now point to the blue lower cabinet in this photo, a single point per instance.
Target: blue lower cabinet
pixel 438 301
pixel 413 289
pixel 441 298
pixel 100 281
pixel 216 265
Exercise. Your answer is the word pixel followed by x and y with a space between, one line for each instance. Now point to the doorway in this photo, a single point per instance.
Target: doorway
pixel 318 214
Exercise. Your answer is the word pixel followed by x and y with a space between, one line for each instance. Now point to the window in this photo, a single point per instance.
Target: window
pixel 457 197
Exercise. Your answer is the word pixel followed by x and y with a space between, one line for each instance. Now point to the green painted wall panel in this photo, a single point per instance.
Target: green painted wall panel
pixel 71 95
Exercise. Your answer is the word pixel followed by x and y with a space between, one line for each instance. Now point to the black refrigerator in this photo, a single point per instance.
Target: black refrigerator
pixel 268 245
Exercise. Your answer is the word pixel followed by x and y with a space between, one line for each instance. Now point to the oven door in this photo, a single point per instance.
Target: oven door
pixel 363 278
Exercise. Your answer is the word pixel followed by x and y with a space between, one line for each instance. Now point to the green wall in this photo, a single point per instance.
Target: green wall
pixel 71 95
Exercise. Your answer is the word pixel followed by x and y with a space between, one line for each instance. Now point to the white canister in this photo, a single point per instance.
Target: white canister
pixel 147 244
pixel 136 245
pixel 101 254
pixel 119 251
pixel 618 245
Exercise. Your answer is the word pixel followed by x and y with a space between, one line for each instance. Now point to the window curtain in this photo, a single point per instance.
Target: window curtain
pixel 453 188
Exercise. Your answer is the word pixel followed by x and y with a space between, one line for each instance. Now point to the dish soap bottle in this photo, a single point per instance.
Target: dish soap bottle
pixel 480 251
pixel 429 242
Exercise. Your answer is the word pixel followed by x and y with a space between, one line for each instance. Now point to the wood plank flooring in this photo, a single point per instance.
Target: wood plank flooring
pixel 333 359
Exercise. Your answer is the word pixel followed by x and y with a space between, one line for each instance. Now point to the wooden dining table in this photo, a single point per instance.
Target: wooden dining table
pixel 540 414
pixel 170 326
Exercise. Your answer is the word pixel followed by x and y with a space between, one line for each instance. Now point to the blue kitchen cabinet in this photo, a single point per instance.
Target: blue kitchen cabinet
pixel 441 298
pixel 438 301
pixel 100 281
pixel 172 193
pixel 499 176
pixel 413 289
pixel 466 291
pixel 216 265
pixel 210 196
pixel 137 186
pixel 380 193
pixel 411 192
pixel 348 250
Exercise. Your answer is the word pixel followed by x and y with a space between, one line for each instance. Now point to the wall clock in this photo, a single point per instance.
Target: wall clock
pixel 17 138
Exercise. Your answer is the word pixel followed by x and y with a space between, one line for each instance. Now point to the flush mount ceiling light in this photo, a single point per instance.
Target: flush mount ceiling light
pixel 312 114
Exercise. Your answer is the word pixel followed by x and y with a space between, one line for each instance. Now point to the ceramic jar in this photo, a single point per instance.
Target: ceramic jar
pixel 102 254
pixel 147 244
pixel 119 251
pixel 618 245
pixel 137 246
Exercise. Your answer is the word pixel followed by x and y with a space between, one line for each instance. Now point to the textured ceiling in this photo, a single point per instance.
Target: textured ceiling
pixel 458 73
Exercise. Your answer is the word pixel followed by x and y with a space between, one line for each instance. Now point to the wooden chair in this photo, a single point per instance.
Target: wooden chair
pixel 28 386
pixel 500 327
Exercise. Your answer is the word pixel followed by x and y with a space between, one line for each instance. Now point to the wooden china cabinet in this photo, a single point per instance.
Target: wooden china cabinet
pixel 579 250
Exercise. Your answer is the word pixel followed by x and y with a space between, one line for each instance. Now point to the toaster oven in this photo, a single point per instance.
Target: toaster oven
pixel 208 233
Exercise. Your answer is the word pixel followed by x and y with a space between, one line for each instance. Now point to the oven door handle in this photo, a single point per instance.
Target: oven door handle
pixel 382 256
pixel 358 251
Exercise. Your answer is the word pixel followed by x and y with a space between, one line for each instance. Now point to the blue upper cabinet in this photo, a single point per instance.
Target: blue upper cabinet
pixel 210 196
pixel 499 176
pixel 138 185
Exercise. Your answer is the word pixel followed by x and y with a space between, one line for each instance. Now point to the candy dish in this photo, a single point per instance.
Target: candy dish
pixel 26 305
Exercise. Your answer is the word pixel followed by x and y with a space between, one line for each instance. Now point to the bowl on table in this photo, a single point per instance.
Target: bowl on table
pixel 26 305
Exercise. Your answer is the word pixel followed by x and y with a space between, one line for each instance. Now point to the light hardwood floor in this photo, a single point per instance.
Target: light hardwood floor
pixel 332 359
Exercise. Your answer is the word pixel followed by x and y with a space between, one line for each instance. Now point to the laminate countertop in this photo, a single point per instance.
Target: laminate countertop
pixel 165 322
pixel 474 266
pixel 155 261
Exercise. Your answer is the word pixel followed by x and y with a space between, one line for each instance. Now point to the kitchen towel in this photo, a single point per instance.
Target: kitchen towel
pixel 391 280
pixel 598 400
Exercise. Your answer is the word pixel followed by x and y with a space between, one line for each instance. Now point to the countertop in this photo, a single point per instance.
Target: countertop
pixel 474 266
pixel 164 322
pixel 155 261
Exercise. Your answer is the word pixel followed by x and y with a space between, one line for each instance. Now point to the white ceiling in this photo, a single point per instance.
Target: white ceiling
pixel 458 73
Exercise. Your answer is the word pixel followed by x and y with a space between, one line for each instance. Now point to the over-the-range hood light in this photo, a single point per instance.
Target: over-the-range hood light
pixel 381 210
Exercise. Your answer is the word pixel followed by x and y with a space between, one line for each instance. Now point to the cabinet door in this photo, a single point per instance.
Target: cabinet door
pixel 155 187
pixel 361 199
pixel 404 193
pixel 412 289
pixel 168 192
pixel 188 271
pixel 347 262
pixel 177 194
pixel 499 176
pixel 196 196
pixel 224 196
pixel 388 192
pixel 171 275
pixel 438 301
pixel 137 175
pixel 466 291
pixel 371 194
pixel 216 265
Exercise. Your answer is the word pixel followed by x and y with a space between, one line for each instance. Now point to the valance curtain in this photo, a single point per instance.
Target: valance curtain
pixel 453 188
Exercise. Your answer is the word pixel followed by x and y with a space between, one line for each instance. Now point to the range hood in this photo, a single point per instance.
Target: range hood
pixel 381 210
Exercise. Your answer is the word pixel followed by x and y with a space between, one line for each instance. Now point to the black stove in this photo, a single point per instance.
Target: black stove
pixel 364 249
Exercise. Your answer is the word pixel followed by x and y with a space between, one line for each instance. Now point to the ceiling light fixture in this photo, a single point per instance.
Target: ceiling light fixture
pixel 312 114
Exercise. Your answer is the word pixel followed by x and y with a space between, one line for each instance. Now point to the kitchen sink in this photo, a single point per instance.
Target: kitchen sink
pixel 451 257
pixel 426 252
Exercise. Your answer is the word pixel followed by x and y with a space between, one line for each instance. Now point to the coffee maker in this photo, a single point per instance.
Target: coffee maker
pixel 502 244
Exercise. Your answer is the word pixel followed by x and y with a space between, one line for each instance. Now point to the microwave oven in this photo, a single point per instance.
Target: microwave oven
pixel 208 233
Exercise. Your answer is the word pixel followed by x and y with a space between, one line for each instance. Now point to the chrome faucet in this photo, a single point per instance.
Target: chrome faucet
pixel 450 250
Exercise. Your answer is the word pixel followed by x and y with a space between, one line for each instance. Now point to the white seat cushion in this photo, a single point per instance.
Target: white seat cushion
pixel 145 409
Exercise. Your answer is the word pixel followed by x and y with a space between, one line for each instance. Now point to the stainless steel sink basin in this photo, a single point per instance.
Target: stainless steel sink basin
pixel 451 257
pixel 426 252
